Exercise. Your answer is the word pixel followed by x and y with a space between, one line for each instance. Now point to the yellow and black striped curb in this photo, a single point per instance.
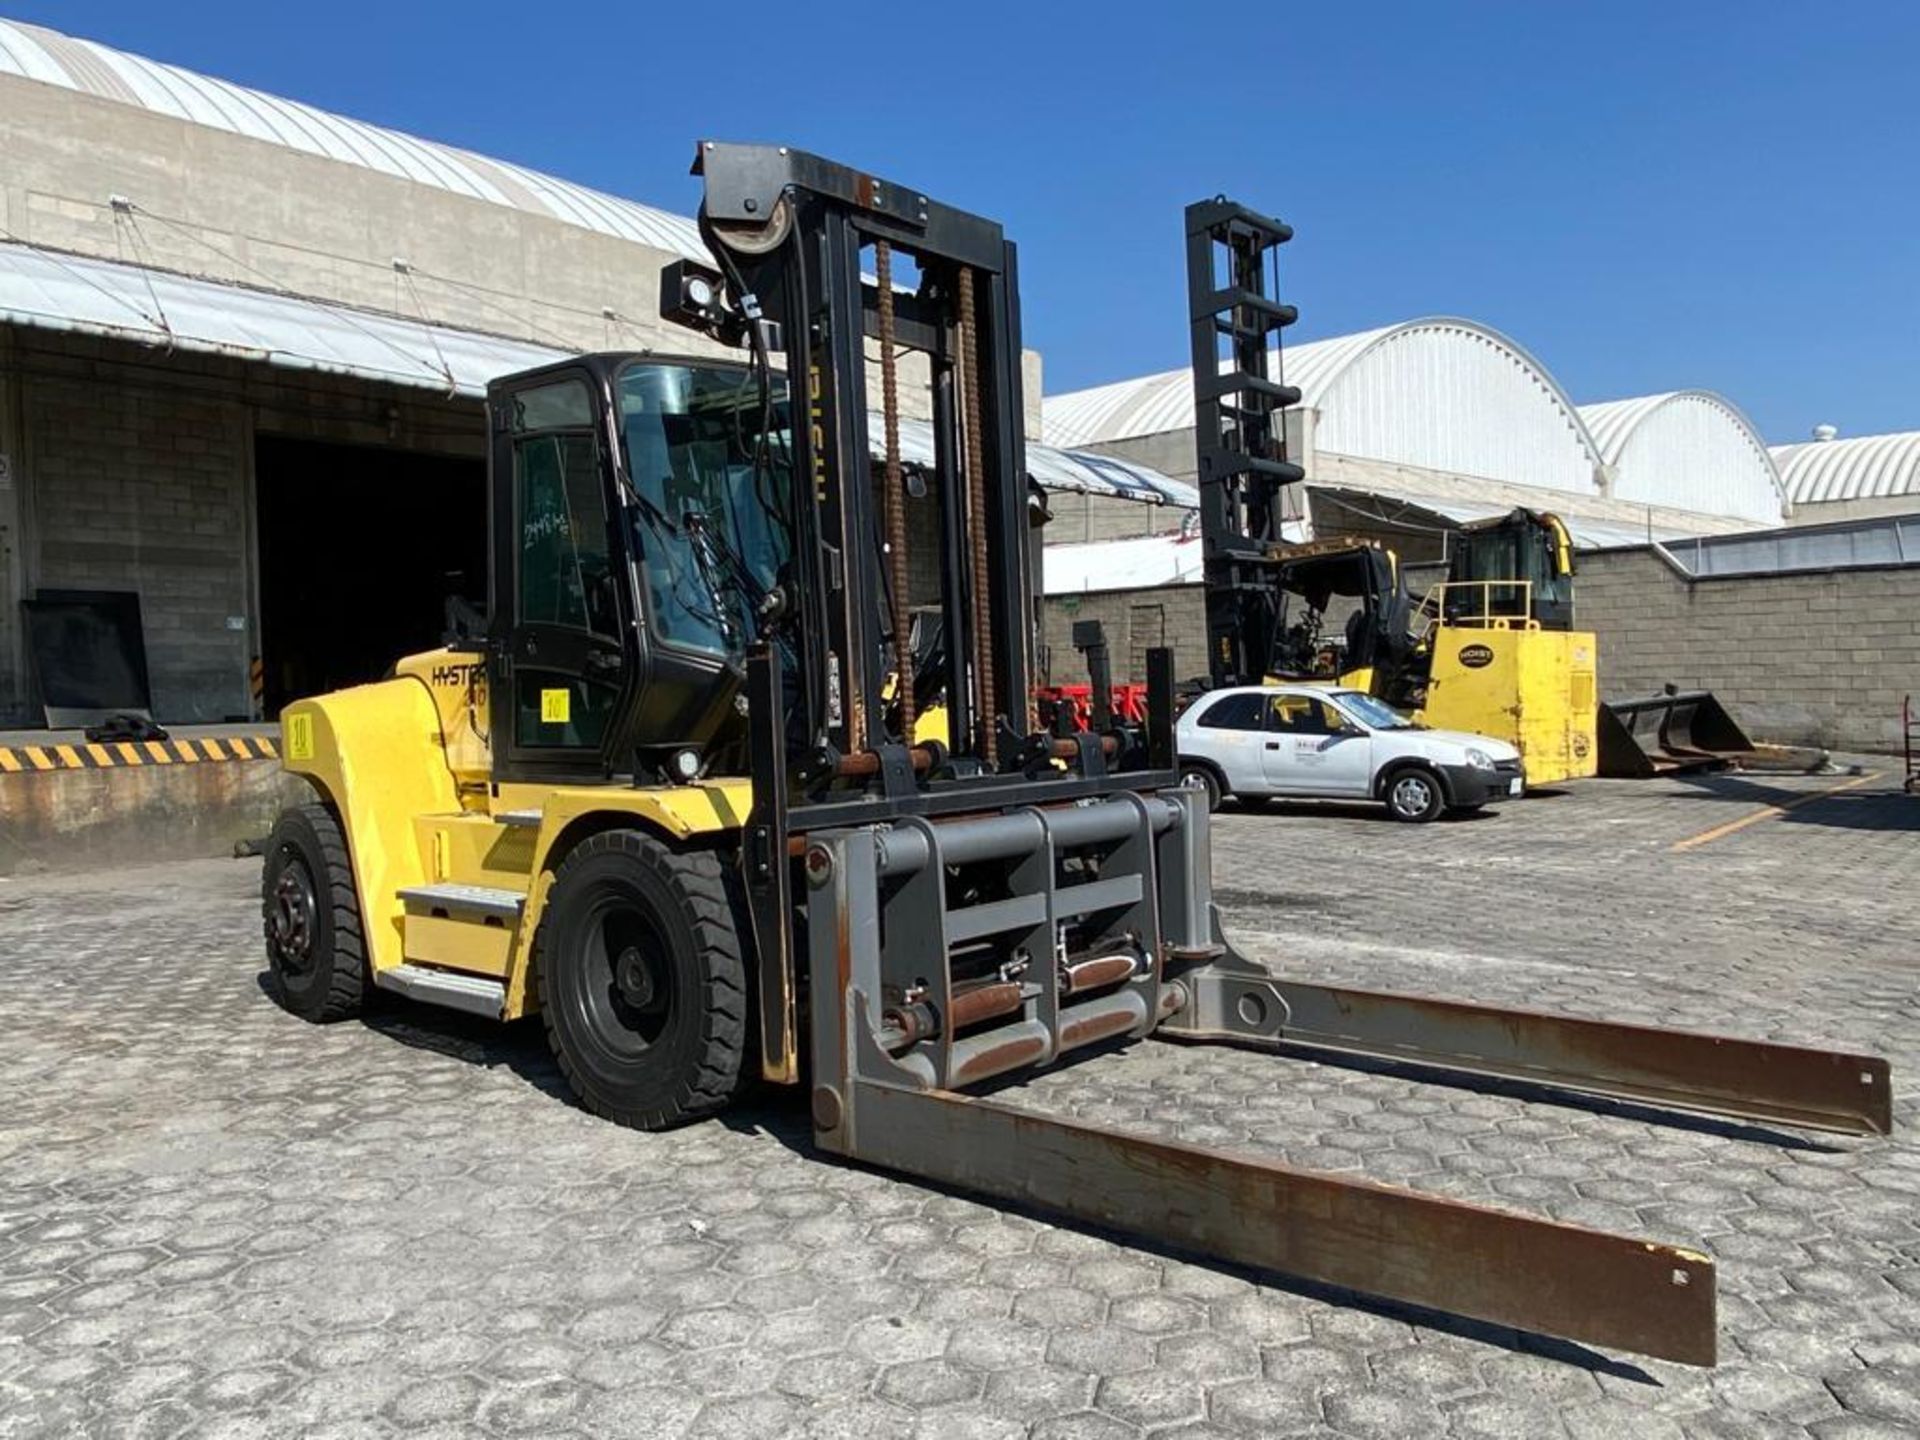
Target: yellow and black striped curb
pixel 117 754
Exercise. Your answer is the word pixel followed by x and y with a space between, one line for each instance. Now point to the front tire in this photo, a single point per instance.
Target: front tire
pixel 642 979
pixel 316 946
pixel 1415 795
pixel 1206 780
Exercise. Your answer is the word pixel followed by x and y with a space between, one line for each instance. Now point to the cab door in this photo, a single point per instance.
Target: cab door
pixel 556 641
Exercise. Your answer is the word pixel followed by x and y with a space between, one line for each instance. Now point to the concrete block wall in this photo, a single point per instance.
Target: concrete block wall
pixel 131 470
pixel 1080 518
pixel 1135 621
pixel 1815 659
pixel 144 491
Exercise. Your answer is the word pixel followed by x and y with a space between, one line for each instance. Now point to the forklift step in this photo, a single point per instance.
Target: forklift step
pixel 519 819
pixel 472 993
pixel 485 901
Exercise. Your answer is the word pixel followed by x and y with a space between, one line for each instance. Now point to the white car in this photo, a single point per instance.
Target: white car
pixel 1322 742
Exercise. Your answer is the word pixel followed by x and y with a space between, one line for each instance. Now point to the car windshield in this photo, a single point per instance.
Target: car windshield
pixel 1375 713
pixel 708 468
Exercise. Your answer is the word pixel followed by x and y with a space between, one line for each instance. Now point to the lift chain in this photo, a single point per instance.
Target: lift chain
pixel 896 499
pixel 974 440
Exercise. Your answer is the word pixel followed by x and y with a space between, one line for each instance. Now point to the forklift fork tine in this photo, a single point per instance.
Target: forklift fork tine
pixel 1236 1002
pixel 1536 1275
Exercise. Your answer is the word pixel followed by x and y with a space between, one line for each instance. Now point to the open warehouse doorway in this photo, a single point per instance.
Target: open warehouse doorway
pixel 359 549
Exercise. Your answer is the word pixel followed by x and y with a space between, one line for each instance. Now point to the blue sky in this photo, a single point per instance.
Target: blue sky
pixel 1647 196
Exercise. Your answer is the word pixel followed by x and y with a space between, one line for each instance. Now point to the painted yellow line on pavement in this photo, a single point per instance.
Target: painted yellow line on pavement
pixel 1767 812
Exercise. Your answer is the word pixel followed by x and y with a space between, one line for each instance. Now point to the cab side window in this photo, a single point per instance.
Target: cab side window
pixel 565 575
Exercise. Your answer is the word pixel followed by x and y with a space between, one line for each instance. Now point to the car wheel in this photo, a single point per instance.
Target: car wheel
pixel 1204 779
pixel 1414 795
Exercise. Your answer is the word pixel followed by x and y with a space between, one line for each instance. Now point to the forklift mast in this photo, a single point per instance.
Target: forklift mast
pixel 1238 428
pixel 818 262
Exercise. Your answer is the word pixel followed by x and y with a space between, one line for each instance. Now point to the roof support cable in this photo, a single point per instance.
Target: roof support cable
pixel 405 272
pixel 148 262
pixel 334 308
pixel 532 331
pixel 54 258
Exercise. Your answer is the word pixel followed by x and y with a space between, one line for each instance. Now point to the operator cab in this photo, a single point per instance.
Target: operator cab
pixel 1373 633
pixel 1515 567
pixel 639 536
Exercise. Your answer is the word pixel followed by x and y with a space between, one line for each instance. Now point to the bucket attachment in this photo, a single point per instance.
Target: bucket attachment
pixel 1682 730
pixel 941 955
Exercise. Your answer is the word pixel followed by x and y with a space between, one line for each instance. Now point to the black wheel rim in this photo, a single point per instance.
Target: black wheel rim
pixel 627 999
pixel 293 916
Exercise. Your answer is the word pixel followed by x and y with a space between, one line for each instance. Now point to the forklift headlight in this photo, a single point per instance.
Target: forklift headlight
pixel 693 295
pixel 684 766
pixel 1479 760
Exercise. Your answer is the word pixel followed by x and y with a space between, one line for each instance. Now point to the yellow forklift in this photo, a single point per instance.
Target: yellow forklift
pixel 671 803
pixel 1499 654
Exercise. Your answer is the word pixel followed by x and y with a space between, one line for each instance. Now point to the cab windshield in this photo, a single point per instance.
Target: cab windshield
pixel 707 465
pixel 1375 713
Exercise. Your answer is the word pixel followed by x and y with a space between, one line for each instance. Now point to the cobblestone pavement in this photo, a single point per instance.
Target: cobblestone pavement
pixel 215 1220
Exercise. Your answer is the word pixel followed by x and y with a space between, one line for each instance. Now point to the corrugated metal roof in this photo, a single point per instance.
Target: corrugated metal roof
pixel 1866 467
pixel 1051 468
pixel 1688 449
pixel 1154 404
pixel 100 297
pixel 1441 393
pixel 35 53
pixel 150 307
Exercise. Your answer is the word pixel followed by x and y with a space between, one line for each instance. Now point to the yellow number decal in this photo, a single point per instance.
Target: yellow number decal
pixel 300 737
pixel 556 707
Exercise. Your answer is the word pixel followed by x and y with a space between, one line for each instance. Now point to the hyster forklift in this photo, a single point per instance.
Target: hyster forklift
pixel 667 805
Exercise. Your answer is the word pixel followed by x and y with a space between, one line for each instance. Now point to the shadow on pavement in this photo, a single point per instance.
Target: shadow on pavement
pixel 521 1047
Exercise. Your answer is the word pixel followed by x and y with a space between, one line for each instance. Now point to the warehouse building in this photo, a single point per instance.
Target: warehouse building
pixel 243 343
pixel 1405 432
pixel 1404 428
pixel 1828 478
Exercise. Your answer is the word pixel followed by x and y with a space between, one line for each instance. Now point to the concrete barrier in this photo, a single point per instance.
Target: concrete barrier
pixel 65 818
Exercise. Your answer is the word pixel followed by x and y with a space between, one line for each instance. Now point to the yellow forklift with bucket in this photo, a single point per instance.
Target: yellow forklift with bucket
pixel 667 804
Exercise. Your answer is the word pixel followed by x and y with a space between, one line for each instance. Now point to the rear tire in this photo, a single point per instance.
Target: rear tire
pixel 316 946
pixel 642 977
pixel 1209 782
pixel 1415 795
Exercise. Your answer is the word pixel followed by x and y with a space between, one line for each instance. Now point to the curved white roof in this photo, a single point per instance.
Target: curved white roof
pixel 35 53
pixel 1440 393
pixel 1868 467
pixel 1688 449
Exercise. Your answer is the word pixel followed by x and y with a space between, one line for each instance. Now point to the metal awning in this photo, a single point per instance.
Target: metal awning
pixel 1441 514
pixel 77 294
pixel 1146 562
pixel 171 312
